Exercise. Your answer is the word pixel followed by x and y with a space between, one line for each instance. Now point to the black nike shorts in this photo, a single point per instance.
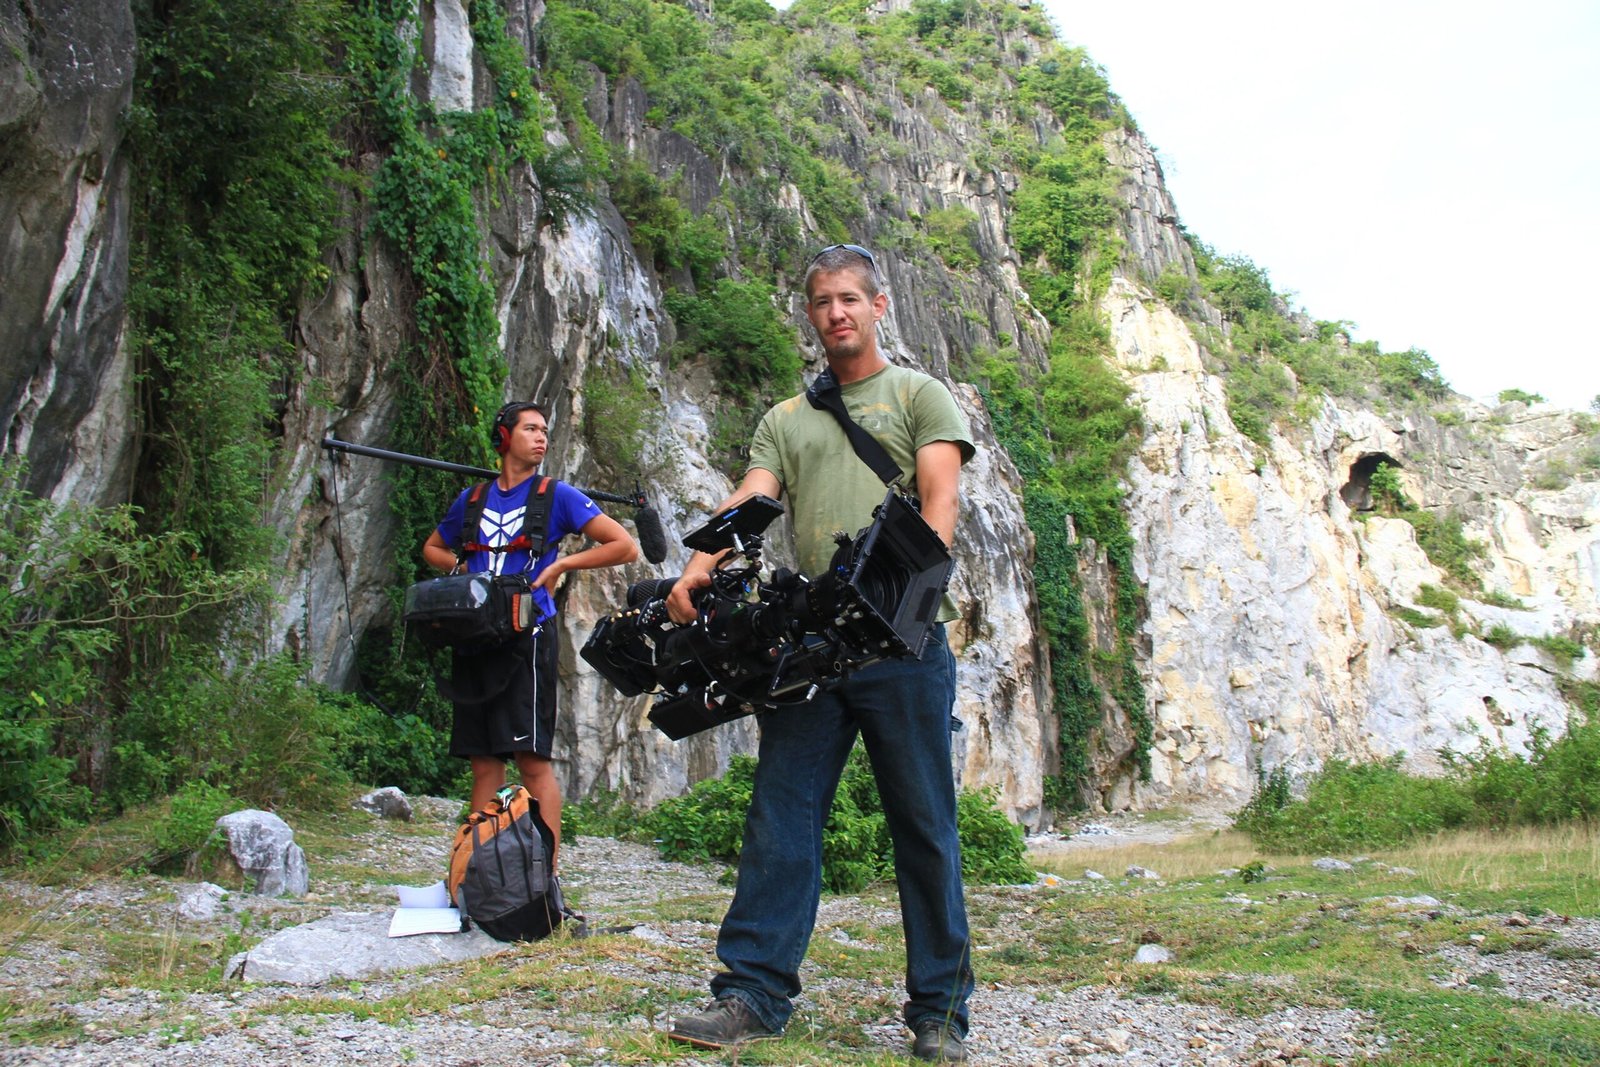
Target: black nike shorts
pixel 506 698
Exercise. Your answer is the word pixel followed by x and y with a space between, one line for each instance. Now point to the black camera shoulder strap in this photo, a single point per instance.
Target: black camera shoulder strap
pixel 825 395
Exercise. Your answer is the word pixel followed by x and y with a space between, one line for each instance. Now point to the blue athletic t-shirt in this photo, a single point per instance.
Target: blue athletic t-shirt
pixel 570 511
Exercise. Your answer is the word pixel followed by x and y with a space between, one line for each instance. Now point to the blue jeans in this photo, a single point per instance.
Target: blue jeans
pixel 901 709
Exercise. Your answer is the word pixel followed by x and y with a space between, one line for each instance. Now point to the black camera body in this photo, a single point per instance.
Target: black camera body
pixel 760 643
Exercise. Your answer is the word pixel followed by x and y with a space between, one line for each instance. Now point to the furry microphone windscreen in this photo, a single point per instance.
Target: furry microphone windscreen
pixel 652 537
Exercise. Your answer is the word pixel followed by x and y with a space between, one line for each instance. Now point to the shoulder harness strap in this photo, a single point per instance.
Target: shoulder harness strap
pixel 535 520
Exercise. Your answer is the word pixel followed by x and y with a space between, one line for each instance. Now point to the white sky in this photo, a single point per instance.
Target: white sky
pixel 1425 170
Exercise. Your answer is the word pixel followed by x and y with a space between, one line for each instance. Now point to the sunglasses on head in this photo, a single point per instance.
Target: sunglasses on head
pixel 857 249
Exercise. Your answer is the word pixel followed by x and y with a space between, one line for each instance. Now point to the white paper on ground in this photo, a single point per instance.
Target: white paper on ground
pixel 424 910
pixel 424 896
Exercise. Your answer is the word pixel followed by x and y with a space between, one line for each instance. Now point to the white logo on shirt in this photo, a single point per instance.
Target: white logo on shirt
pixel 500 528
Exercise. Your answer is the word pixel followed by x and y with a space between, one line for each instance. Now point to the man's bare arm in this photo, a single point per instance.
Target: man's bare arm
pixel 938 486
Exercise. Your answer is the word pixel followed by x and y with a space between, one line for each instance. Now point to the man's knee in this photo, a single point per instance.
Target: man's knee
pixel 534 767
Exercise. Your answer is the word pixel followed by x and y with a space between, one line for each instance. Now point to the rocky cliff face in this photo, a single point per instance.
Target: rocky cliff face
pixel 65 390
pixel 1270 638
pixel 1275 602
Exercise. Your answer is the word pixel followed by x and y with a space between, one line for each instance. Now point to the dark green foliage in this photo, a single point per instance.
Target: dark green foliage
pixel 949 232
pixel 1387 495
pixel 234 172
pixel 708 824
pixel 664 232
pixel 1519 396
pixel 1069 436
pixel 1432 596
pixel 616 416
pixel 1564 650
pixel 1273 793
pixel 601 814
pixel 1234 284
pixel 260 728
pixel 75 583
pixel 1447 545
pixel 992 848
pixel 738 328
pixel 1061 214
pixel 1411 375
pixel 1263 342
pixel 1558 780
pixel 1368 805
pixel 1502 636
pixel 1259 392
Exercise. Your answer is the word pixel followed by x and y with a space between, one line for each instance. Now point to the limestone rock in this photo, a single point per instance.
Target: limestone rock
pixel 262 845
pixel 386 803
pixel 351 945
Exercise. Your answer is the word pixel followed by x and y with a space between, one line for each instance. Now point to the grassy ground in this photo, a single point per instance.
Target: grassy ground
pixel 95 925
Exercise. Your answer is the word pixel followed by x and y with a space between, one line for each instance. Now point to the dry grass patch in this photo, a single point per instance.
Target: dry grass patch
pixel 1564 861
pixel 1199 855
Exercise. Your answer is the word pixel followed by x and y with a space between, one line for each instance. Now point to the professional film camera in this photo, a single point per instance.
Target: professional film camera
pixel 757 644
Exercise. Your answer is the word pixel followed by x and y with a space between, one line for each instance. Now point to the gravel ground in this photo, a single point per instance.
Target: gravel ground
pixel 620 883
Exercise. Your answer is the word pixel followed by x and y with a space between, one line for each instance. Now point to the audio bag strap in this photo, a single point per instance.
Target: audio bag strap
pixel 536 518
pixel 824 395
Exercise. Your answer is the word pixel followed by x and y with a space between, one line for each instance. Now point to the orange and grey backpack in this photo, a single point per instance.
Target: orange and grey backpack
pixel 502 873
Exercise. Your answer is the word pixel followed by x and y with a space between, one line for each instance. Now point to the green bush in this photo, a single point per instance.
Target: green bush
pixel 192 816
pixel 1562 648
pixel 1502 636
pixel 992 847
pixel 1558 781
pixel 1519 396
pixel 708 824
pixel 601 814
pixel 738 327
pixel 1375 805
pixel 1420 619
pixel 1432 596
pixel 1369 805
pixel 950 231
pixel 1273 793
pixel 1259 392
pixel 75 583
pixel 260 730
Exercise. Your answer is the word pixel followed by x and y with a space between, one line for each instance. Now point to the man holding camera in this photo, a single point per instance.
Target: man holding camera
pixel 505 698
pixel 901 708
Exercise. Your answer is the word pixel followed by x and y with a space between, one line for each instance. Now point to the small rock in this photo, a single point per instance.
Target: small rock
pixel 1153 954
pixel 386 803
pixel 198 903
pixel 1136 871
pixel 1517 919
pixel 1094 876
pixel 1328 863
pixel 1117 1041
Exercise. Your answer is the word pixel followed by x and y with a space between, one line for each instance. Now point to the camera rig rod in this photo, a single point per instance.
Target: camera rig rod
pixel 335 445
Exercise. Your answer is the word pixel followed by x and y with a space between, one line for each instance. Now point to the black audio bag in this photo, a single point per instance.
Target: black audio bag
pixel 472 611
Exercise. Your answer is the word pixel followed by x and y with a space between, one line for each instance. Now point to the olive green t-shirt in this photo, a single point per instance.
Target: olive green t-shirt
pixel 828 487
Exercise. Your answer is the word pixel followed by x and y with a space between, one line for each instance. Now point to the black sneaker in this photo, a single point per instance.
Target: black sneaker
pixel 729 1021
pixel 939 1042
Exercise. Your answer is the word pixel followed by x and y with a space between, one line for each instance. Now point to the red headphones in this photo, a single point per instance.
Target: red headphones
pixel 505 421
